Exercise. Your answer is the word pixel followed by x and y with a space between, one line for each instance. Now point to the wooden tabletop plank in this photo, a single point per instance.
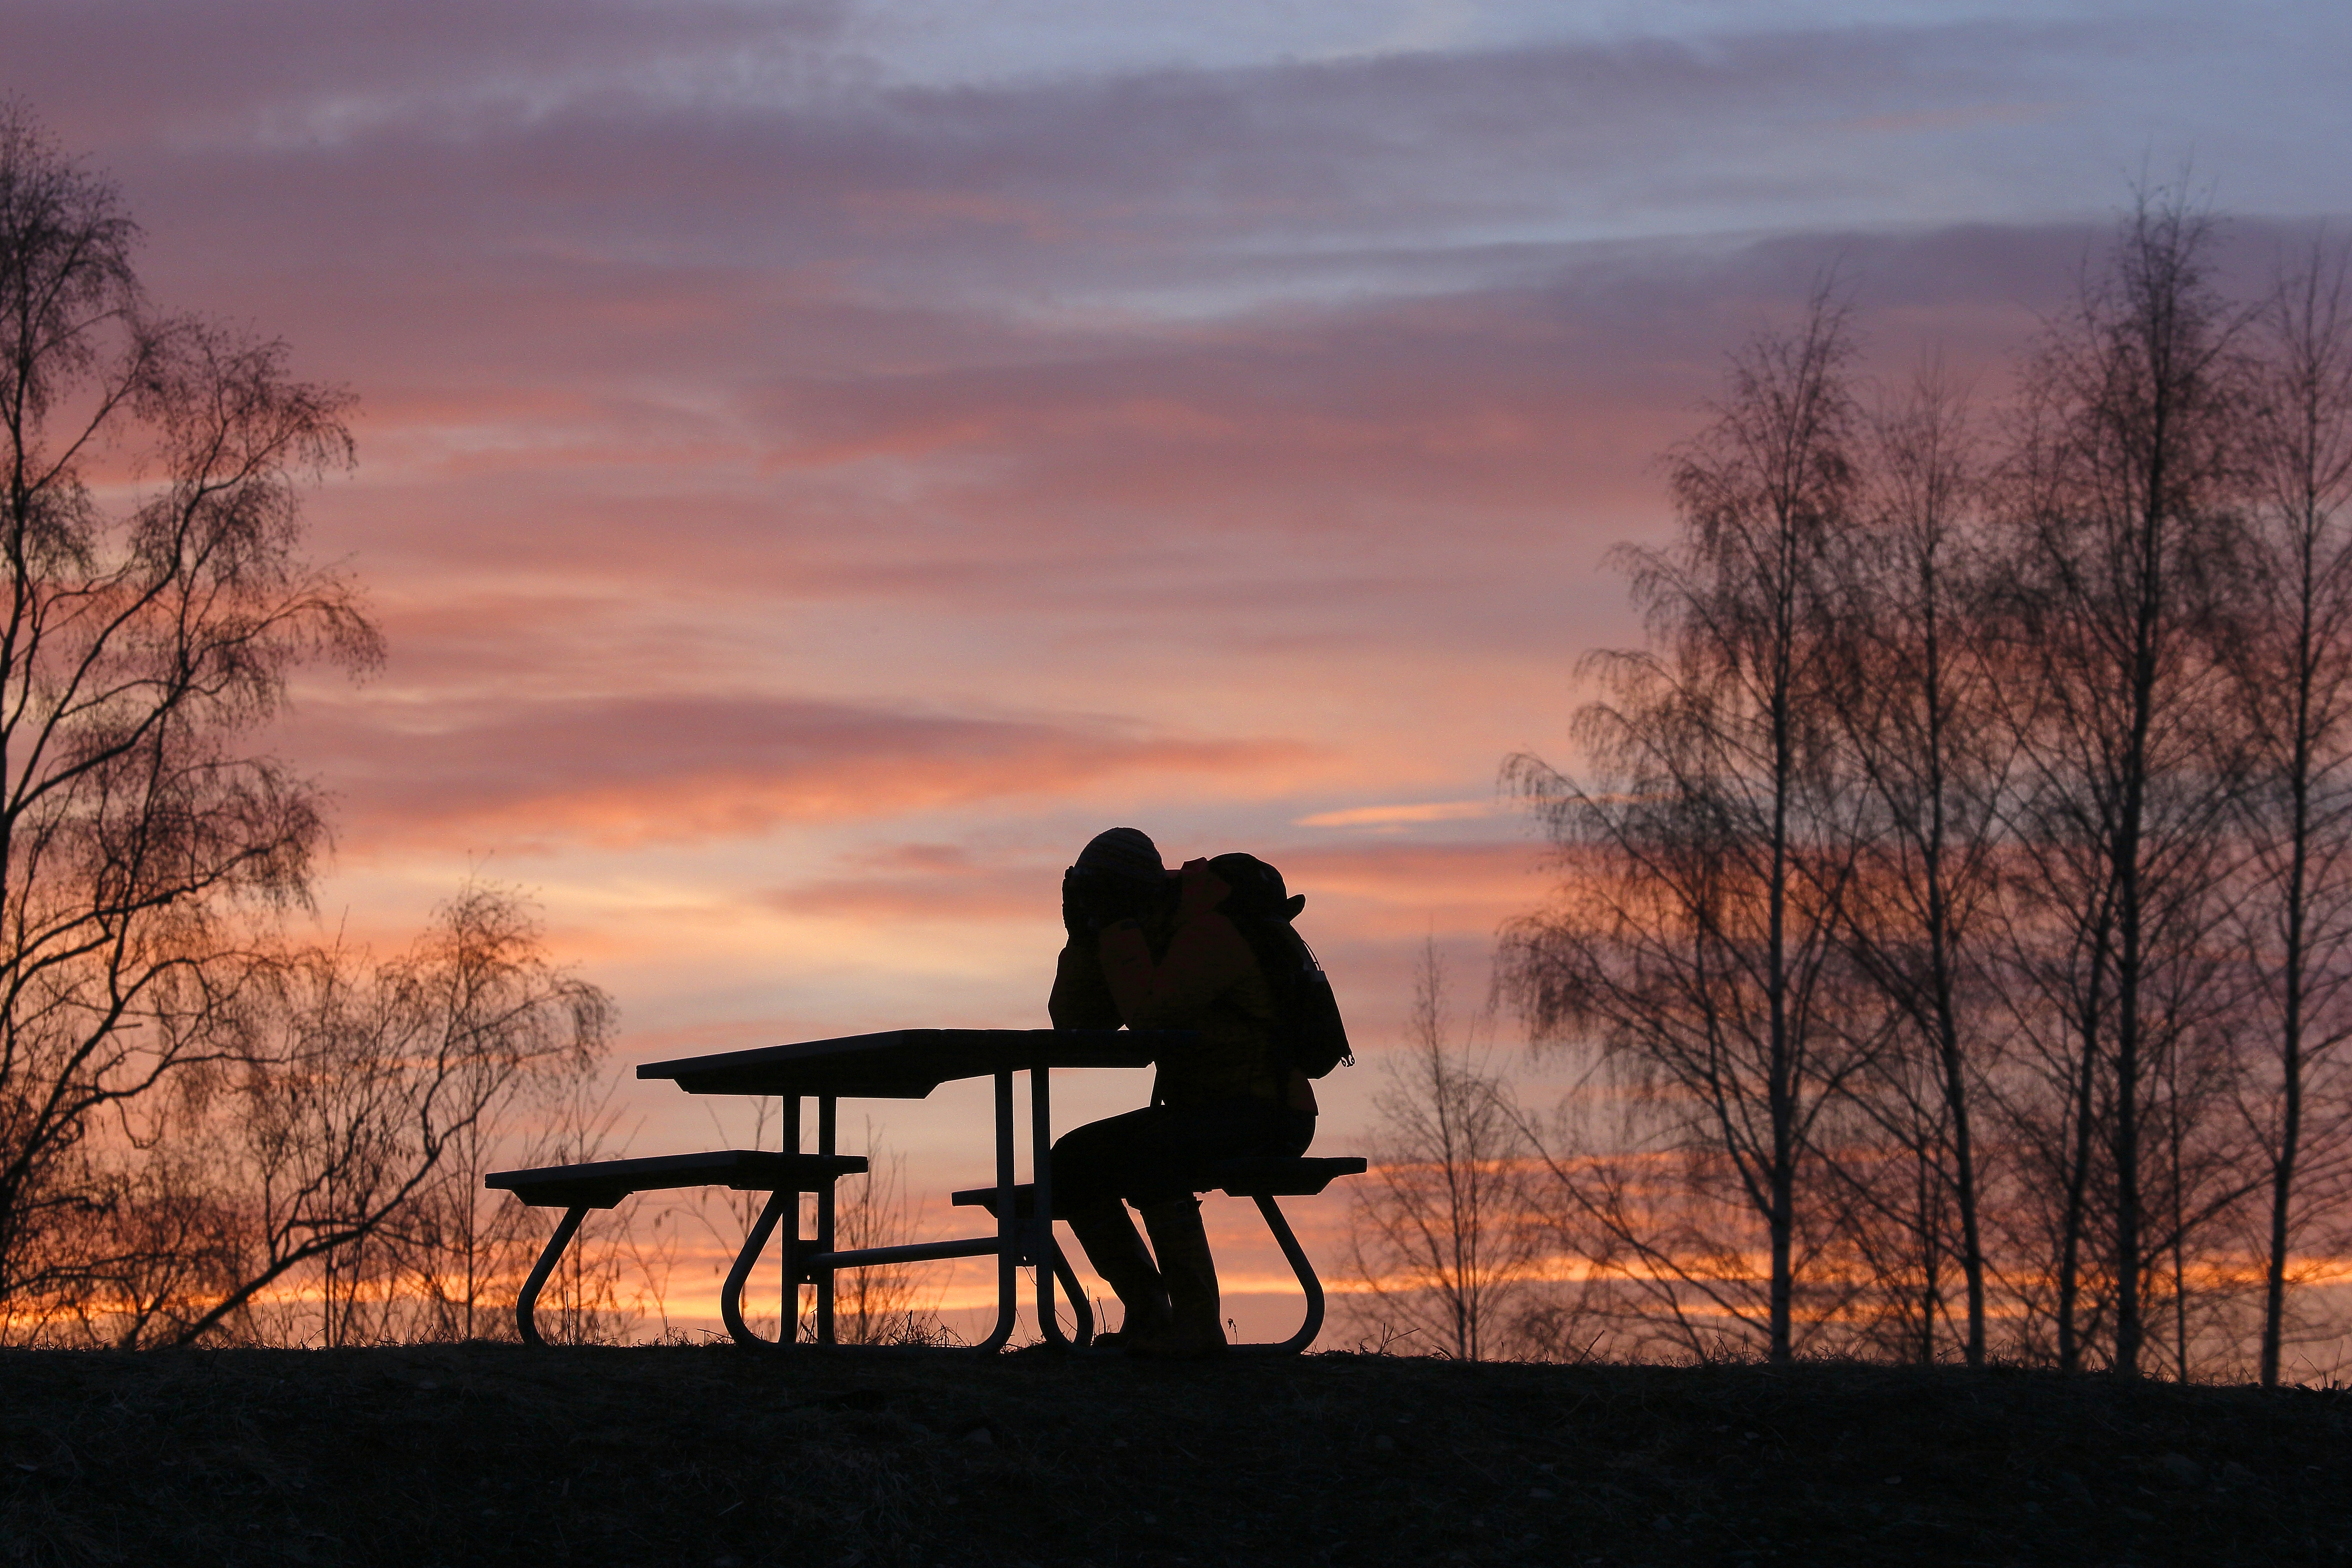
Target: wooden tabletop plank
pixel 907 1064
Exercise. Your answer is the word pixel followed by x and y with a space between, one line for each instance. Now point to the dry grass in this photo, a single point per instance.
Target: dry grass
pixel 707 1458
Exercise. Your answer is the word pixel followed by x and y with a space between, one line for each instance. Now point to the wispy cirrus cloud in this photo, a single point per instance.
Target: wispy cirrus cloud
pixel 713 134
pixel 1398 816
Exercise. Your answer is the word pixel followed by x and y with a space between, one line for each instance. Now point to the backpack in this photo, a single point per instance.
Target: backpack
pixel 1307 1014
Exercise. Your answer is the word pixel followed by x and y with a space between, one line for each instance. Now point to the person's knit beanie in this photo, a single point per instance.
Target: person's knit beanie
pixel 1126 852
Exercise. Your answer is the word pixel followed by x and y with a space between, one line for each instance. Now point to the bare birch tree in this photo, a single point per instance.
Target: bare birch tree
pixel 362 1082
pixel 2119 529
pixel 1696 940
pixel 142 646
pixel 1914 715
pixel 1440 1233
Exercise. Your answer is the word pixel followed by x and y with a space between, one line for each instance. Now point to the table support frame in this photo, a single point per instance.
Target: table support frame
pixel 1021 1240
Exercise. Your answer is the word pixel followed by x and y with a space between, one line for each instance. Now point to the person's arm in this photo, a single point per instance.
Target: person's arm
pixel 1204 961
pixel 1080 1000
pixel 1205 958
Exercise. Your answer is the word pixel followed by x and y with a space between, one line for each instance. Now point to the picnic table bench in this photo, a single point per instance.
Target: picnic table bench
pixel 576 1189
pixel 1260 1177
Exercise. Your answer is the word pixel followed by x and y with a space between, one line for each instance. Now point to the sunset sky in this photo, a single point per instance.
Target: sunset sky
pixel 819 463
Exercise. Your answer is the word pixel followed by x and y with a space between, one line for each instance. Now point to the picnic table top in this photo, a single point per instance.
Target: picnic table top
pixel 907 1064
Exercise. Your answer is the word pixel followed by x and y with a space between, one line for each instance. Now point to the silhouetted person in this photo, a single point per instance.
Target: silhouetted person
pixel 1148 948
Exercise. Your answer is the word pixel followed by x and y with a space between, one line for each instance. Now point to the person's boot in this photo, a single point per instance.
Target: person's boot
pixel 1118 1255
pixel 1196 1329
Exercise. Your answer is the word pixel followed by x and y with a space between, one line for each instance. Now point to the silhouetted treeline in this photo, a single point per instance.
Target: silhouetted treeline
pixel 1955 899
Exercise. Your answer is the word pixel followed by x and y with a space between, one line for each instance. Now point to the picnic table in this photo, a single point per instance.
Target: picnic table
pixel 909 1063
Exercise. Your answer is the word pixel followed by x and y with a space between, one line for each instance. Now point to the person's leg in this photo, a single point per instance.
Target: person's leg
pixel 1196 1324
pixel 1296 1130
pixel 1168 1151
pixel 1152 1158
pixel 1089 1172
pixel 1175 1152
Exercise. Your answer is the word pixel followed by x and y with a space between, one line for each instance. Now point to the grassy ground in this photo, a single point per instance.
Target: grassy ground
pixel 708 1457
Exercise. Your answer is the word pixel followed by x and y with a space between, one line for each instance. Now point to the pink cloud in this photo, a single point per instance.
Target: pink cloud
pixel 928 883
pixel 626 771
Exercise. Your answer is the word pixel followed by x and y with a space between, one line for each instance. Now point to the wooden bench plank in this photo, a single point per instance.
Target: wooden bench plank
pixel 602 1183
pixel 1277 1176
pixel 1269 1176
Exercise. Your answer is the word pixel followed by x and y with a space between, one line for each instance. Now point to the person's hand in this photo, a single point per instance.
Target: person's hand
pixel 1092 905
pixel 1198 891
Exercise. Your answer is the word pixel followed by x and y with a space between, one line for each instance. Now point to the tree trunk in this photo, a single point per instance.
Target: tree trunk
pixel 2128 872
pixel 2078 1174
pixel 2283 1167
pixel 1783 1220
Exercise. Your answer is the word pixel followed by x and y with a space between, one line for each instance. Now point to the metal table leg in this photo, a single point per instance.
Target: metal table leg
pixel 1043 1248
pixel 825 1105
pixel 1008 1225
pixel 528 1302
pixel 730 1295
pixel 788 1315
pixel 1040 1246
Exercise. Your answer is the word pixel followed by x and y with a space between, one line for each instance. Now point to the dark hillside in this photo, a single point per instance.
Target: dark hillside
pixel 712 1459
